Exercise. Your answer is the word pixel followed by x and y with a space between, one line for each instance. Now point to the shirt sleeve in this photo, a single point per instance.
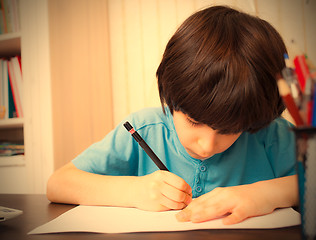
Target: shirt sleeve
pixel 114 155
pixel 280 148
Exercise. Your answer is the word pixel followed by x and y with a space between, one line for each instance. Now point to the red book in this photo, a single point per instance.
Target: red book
pixel 16 84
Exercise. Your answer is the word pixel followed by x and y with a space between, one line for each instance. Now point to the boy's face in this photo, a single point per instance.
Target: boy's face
pixel 199 140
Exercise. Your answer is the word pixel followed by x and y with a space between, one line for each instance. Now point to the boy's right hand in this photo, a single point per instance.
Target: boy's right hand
pixel 161 191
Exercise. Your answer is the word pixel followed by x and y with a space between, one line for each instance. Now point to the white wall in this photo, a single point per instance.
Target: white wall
pixel 140 29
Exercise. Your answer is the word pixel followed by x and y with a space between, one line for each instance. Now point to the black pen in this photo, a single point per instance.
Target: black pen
pixel 144 146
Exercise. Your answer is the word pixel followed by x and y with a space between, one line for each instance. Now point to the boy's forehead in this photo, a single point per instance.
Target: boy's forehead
pixel 184 116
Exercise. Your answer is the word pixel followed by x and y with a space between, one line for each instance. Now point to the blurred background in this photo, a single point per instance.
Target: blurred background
pixel 87 64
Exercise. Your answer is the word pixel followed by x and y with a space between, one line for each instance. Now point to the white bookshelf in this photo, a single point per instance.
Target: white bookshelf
pixel 11 123
pixel 12 161
pixel 10 36
pixel 11 128
pixel 29 173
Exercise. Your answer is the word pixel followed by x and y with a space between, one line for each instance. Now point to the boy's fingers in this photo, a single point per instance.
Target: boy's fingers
pixel 184 215
pixel 173 205
pixel 235 217
pixel 177 182
pixel 170 204
pixel 175 194
pixel 200 211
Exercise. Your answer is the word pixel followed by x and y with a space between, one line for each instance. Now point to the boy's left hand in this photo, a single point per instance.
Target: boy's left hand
pixel 240 202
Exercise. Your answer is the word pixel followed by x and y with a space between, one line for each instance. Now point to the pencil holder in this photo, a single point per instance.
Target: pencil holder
pixel 306 168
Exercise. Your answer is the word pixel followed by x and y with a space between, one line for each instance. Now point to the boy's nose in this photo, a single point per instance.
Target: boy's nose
pixel 207 145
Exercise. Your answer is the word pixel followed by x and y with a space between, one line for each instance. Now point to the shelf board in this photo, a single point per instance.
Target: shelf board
pixel 12 161
pixel 7 36
pixel 11 123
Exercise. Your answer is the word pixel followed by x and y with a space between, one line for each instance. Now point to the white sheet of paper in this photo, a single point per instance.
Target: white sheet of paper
pixel 122 220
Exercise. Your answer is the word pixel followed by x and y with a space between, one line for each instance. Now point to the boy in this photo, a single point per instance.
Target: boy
pixel 218 132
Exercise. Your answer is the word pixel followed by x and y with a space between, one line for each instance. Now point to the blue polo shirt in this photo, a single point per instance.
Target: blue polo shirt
pixel 267 154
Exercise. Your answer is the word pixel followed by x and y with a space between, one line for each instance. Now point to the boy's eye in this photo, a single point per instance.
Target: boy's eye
pixel 192 122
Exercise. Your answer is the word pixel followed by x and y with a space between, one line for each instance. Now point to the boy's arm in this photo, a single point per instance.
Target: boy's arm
pixel 243 201
pixel 158 191
pixel 71 185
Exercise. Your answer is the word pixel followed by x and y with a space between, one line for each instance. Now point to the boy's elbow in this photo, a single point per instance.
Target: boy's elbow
pixel 51 188
pixel 55 184
pixel 58 185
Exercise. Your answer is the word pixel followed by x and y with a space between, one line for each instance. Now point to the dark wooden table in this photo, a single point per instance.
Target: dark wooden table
pixel 37 210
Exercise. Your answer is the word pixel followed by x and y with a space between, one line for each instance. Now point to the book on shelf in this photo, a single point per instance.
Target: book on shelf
pixel 11 149
pixel 4 90
pixel 9 16
pixel 12 113
pixel 16 83
pixel 11 87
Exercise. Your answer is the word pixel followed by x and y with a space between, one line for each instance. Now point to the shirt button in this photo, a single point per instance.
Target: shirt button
pixel 198 189
pixel 203 168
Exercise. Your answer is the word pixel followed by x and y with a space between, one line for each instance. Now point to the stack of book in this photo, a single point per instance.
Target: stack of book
pixel 11 149
pixel 9 16
pixel 11 87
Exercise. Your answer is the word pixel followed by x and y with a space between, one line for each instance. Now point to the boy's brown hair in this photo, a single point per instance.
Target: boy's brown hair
pixel 220 69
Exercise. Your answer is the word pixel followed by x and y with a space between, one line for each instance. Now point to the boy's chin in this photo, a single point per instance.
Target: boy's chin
pixel 196 156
